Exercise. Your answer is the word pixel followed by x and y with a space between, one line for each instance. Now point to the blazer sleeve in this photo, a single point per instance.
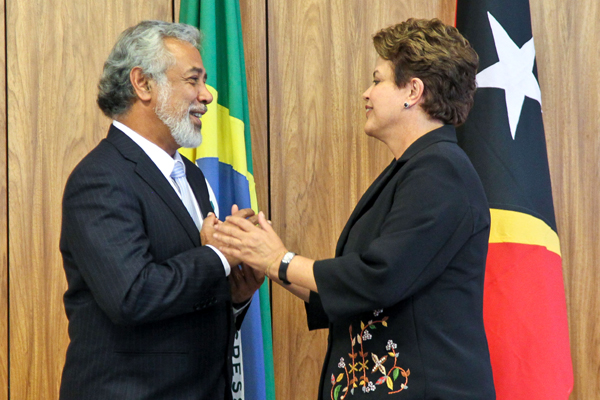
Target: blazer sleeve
pixel 106 249
pixel 426 220
pixel 315 313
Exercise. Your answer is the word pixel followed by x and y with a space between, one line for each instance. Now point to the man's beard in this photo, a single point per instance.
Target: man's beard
pixel 183 130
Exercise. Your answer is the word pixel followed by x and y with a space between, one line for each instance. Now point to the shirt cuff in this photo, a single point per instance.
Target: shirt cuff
pixel 223 259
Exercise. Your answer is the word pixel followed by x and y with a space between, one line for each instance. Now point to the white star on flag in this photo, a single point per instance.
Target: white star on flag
pixel 513 73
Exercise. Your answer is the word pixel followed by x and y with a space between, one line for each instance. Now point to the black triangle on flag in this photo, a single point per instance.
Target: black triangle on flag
pixel 515 170
pixel 524 302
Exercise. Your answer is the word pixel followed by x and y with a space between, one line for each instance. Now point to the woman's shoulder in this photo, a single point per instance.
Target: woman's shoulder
pixel 441 173
pixel 445 158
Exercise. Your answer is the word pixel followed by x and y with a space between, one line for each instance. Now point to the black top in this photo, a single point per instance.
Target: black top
pixel 403 298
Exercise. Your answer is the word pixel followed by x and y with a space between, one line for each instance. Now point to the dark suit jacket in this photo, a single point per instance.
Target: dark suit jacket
pixel 149 308
pixel 403 298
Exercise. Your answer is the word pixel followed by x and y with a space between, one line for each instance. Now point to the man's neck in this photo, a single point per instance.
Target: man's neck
pixel 147 124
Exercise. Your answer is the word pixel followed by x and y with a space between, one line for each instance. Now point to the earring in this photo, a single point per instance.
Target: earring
pixel 406 105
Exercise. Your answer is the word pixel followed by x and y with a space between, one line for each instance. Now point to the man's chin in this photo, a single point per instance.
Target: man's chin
pixel 188 136
pixel 190 143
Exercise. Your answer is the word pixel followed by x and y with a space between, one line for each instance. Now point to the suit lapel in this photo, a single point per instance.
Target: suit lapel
pixel 366 202
pixel 150 173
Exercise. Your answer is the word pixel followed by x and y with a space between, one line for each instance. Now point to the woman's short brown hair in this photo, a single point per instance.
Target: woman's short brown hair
pixel 438 55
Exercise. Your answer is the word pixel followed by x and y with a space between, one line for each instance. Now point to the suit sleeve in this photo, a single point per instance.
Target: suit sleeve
pixel 425 224
pixel 106 248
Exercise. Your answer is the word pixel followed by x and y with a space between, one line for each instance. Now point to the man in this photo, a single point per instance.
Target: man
pixel 149 303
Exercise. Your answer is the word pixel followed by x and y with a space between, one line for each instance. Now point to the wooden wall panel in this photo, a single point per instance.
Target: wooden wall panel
pixel 55 53
pixel 254 26
pixel 566 40
pixel 3 218
pixel 321 59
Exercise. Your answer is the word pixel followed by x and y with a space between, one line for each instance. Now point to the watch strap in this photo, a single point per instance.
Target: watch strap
pixel 283 266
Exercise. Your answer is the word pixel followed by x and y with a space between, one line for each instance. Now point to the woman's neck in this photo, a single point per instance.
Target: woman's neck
pixel 410 132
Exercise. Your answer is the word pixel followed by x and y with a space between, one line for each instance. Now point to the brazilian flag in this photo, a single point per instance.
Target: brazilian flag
pixel 225 158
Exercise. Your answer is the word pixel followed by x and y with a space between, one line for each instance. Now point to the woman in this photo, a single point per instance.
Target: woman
pixel 403 296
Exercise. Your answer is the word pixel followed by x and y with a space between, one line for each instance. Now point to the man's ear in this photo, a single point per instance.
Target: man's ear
pixel 142 86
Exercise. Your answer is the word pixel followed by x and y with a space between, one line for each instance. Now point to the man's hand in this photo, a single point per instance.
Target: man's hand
pixel 206 237
pixel 208 228
pixel 244 282
pixel 246 213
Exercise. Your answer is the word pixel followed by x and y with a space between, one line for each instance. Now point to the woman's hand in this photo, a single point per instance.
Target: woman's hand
pixel 211 222
pixel 257 246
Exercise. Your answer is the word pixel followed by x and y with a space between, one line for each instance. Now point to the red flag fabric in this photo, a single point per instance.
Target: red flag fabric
pixel 525 310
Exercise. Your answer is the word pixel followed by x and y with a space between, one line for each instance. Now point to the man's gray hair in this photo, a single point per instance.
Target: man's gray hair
pixel 139 46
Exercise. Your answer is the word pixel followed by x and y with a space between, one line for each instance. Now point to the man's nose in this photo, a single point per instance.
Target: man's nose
pixel 204 95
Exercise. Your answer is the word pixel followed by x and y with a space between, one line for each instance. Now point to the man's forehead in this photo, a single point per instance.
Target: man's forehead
pixel 187 56
pixel 175 42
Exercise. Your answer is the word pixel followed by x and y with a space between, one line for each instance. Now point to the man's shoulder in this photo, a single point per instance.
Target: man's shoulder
pixel 104 159
pixel 104 155
pixel 116 145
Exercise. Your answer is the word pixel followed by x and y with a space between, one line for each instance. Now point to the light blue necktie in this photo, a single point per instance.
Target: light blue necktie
pixel 185 191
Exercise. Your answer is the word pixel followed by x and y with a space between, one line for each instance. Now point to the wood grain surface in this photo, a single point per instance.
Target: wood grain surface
pixel 566 38
pixel 3 219
pixel 55 53
pixel 254 27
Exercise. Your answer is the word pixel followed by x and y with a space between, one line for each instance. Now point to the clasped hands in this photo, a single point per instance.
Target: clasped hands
pixel 248 240
pixel 254 242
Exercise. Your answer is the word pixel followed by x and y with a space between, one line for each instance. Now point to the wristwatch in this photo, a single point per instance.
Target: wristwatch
pixel 285 263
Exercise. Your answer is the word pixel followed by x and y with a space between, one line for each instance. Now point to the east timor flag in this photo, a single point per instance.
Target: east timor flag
pixel 225 157
pixel 524 301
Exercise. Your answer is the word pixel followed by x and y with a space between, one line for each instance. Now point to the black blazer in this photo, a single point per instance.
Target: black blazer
pixel 149 308
pixel 403 299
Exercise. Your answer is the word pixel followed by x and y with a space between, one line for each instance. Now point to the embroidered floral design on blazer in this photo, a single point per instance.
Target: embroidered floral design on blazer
pixel 358 372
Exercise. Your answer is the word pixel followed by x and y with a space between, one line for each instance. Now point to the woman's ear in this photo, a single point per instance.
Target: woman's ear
pixel 142 86
pixel 417 89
